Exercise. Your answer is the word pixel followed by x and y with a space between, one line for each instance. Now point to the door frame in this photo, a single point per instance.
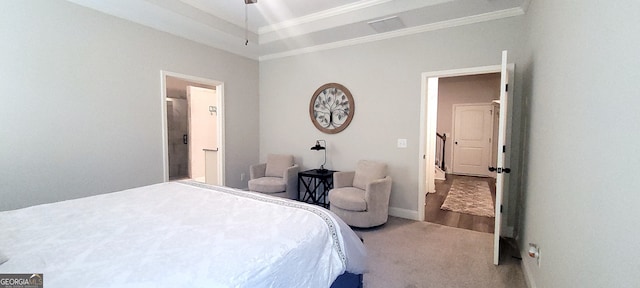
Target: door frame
pixel 220 104
pixel 453 133
pixel 428 121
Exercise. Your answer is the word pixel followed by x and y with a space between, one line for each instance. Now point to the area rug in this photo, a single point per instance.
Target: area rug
pixel 469 196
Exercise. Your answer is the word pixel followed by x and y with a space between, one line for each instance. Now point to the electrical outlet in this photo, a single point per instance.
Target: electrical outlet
pixel 242 176
pixel 535 252
pixel 402 143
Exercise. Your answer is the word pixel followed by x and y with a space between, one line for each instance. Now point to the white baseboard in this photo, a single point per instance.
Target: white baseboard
pixel 404 213
pixel 439 174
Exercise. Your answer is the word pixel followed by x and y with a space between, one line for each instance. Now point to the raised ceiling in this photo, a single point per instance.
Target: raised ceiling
pixel 280 28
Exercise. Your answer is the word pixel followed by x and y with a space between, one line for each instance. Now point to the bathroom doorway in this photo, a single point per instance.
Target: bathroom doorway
pixel 193 130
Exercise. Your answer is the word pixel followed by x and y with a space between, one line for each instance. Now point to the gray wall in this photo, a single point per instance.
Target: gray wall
pixel 81 96
pixel 581 199
pixel 385 80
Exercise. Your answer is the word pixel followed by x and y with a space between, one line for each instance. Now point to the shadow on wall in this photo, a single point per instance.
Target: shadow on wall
pixel 524 157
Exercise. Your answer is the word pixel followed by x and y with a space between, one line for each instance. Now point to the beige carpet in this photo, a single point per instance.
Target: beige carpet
pixel 469 196
pixel 410 254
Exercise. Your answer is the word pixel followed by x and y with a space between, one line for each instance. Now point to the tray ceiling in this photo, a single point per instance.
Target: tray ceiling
pixel 280 28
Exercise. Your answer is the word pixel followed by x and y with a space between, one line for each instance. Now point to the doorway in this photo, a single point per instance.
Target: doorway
pixel 433 120
pixel 428 118
pixel 193 128
pixel 465 115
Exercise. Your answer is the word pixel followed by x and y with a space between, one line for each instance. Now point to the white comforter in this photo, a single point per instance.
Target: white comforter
pixel 179 235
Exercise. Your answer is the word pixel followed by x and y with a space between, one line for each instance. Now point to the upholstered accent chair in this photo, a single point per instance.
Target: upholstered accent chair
pixel 361 197
pixel 277 177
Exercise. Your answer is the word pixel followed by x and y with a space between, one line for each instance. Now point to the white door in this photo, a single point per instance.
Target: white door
pixel 472 139
pixel 202 129
pixel 502 155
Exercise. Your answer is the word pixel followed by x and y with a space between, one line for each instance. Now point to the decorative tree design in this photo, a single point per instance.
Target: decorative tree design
pixel 331 108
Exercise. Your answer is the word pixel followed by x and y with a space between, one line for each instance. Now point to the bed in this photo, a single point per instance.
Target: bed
pixel 181 234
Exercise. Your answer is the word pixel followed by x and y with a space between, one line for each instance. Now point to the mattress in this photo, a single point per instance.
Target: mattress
pixel 179 234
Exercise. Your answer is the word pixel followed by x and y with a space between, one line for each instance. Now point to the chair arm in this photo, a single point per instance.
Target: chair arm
pixel 377 194
pixel 343 179
pixel 291 173
pixel 257 171
pixel 291 178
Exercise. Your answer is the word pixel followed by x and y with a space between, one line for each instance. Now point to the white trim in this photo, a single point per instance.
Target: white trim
pixel 403 213
pixel 433 85
pixel 221 132
pixel 398 33
pixel 360 12
pixel 463 71
pixel 178 23
pixel 322 15
pixel 422 167
pixel 163 109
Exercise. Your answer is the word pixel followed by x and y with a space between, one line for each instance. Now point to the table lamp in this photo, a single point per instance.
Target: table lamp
pixel 319 147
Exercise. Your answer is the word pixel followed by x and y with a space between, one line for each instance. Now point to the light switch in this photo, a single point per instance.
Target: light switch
pixel 402 143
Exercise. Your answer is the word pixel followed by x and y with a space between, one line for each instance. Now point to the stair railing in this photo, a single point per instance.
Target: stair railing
pixel 441 139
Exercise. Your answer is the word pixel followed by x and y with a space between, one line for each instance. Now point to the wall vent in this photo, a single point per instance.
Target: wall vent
pixel 387 24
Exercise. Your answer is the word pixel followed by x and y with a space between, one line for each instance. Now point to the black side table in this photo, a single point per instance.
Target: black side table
pixel 316 184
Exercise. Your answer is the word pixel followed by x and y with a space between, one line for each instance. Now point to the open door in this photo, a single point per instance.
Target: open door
pixel 202 129
pixel 502 153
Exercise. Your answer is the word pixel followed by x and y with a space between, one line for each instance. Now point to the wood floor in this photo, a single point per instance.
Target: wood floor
pixel 434 214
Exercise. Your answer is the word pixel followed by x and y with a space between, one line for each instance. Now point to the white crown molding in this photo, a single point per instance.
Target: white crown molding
pixel 321 15
pixel 147 13
pixel 191 13
pixel 398 33
pixel 340 16
pixel 189 23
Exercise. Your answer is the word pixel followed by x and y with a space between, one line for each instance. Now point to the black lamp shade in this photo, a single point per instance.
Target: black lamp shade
pixel 317 147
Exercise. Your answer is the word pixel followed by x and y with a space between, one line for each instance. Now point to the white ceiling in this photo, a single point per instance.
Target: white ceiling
pixel 280 28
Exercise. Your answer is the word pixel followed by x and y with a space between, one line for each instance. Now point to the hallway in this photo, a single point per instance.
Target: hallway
pixel 434 214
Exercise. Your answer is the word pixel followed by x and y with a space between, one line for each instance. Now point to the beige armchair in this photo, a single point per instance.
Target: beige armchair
pixel 277 177
pixel 361 197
